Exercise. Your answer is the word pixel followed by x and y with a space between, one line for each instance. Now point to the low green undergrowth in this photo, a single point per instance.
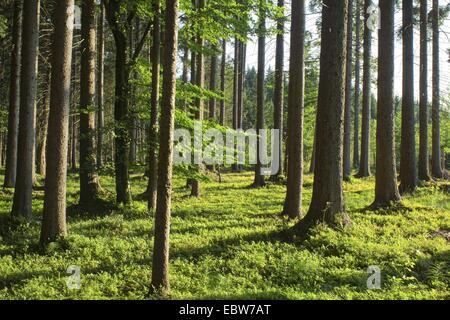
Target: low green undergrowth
pixel 225 245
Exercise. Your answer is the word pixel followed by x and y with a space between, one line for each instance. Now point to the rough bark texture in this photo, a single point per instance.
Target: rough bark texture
pixel 100 85
pixel 386 190
pixel 424 168
pixel 364 163
pixel 54 219
pixel 160 270
pixel 155 60
pixel 408 165
pixel 357 95
pixel 348 95
pixel 327 200
pixel 436 165
pixel 25 154
pixel 259 180
pixel 293 202
pixel 14 98
pixel 42 126
pixel 278 97
pixel 88 172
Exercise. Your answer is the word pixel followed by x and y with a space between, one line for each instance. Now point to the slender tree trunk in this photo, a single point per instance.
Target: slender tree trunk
pixel 259 176
pixel 408 164
pixel 278 98
pixel 100 86
pixel 184 76
pixel 155 59
pixel 327 199
pixel 347 167
pixel 222 81
pixel 14 98
pixel 386 189
pixel 54 219
pixel 312 165
pixel 88 172
pixel 199 103
pixel 364 165
pixel 424 168
pixel 436 166
pixel 242 61
pixel 42 127
pixel 293 202
pixel 212 87
pixel 160 270
pixel 357 87
pixel 22 206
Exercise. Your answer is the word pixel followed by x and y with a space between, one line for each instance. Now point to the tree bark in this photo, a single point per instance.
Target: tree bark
pixel 386 189
pixel 364 163
pixel 259 180
pixel 212 87
pixel 100 86
pixel 408 164
pixel 357 87
pixel 436 165
pixel 22 206
pixel 222 81
pixel 54 218
pixel 348 93
pixel 327 203
pixel 160 269
pixel 42 127
pixel 293 201
pixel 14 98
pixel 155 60
pixel 88 172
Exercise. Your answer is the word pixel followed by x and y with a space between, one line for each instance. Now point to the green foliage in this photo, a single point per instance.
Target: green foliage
pixel 225 246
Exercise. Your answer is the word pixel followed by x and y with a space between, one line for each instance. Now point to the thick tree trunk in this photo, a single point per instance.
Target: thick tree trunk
pixel 155 60
pixel 348 93
pixel 408 165
pixel 54 219
pixel 22 206
pixel 293 202
pixel 327 200
pixel 100 86
pixel 386 189
pixel 436 166
pixel 259 180
pixel 160 270
pixel 14 98
pixel 278 98
pixel 357 87
pixel 88 172
pixel 222 81
pixel 364 163
pixel 424 168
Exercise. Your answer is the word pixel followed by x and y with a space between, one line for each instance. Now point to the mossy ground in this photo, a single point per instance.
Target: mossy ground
pixel 225 245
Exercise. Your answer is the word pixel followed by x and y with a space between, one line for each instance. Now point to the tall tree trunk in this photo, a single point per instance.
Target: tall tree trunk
pixel 14 98
pixel 408 164
pixel 260 88
pixel 184 76
pixel 222 81
pixel 42 127
pixel 88 172
pixel 327 200
pixel 293 201
pixel 242 61
pixel 54 219
pixel 155 60
pixel 357 86
pixel 348 93
pixel 212 87
pixel 200 82
pixel 364 165
pixel 278 98
pixel 100 86
pixel 436 165
pixel 22 205
pixel 386 189
pixel 424 168
pixel 160 270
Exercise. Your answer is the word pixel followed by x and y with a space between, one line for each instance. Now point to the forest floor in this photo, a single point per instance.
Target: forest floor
pixel 225 246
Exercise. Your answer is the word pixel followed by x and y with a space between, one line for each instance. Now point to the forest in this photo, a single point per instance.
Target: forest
pixel 213 150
